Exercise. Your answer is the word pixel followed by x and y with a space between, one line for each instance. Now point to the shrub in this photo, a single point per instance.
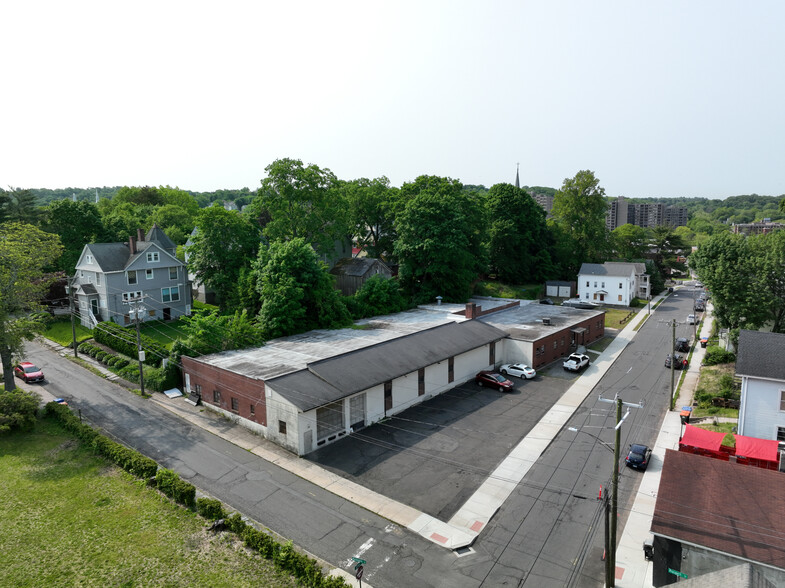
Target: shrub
pixel 129 459
pixel 101 355
pixel 83 347
pixel 70 422
pixel 17 410
pixel 120 363
pixel 123 341
pixel 94 351
pixel 179 490
pixel 236 524
pixel 210 508
pixel 717 355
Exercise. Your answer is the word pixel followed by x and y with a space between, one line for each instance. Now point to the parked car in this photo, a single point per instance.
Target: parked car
pixel 28 372
pixel 682 344
pixel 670 290
pixel 699 306
pixel 576 362
pixel 638 456
pixel 546 301
pixel 681 363
pixel 493 380
pixel 691 320
pixel 519 370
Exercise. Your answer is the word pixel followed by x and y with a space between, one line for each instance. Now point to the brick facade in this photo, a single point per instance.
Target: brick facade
pixel 240 395
pixel 561 343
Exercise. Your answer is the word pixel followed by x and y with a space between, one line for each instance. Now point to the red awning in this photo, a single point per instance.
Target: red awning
pixel 701 438
pixel 763 449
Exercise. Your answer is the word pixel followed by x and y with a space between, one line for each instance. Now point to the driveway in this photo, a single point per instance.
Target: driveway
pixel 435 455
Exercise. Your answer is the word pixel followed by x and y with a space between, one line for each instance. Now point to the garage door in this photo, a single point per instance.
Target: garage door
pixel 329 420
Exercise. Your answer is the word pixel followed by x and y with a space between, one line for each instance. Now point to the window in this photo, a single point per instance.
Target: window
pixel 152 257
pixel 450 369
pixel 602 285
pixel 282 427
pixel 620 286
pixel 619 297
pixel 127 296
pixel 97 278
pixel 235 405
pixel 555 344
pixel 253 410
pixel 148 273
pixel 81 274
pixel 131 275
pixel 492 353
pixel 172 273
pixel 595 284
pixel 217 396
pixel 780 433
pixel 88 258
pixel 587 284
pixel 420 381
pixel 170 294
pixel 782 399
pixel 587 295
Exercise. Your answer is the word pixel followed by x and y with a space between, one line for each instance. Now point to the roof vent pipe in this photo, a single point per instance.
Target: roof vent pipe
pixel 438 301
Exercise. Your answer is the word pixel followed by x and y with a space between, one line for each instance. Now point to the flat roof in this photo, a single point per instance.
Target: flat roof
pixel 524 322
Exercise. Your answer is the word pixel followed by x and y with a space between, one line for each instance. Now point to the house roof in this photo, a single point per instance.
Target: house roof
pixel 760 355
pixel 157 235
pixel 727 507
pixel 334 378
pixel 356 266
pixel 111 257
pixel 613 269
pixel 87 289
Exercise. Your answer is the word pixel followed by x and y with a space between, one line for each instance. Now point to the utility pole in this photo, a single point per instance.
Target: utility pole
pixel 135 302
pixel 610 569
pixel 673 363
pixel 69 281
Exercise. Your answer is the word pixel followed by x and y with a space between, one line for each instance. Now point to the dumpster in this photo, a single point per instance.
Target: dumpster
pixel 704 341
pixel 686 412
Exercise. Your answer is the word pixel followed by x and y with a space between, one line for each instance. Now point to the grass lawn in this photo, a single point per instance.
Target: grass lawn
pixel 710 382
pixel 59 331
pixel 163 333
pixel 614 316
pixel 71 519
pixel 500 290
pixel 601 345
pixel 729 440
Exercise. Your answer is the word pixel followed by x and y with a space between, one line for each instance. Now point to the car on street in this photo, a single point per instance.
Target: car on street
pixel 699 306
pixel 28 372
pixel 638 456
pixel 493 380
pixel 682 344
pixel 680 364
pixel 576 362
pixel 546 301
pixel 519 370
pixel 691 320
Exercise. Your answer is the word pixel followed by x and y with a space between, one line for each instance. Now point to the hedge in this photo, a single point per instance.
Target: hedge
pixel 178 490
pixel 129 459
pixel 210 508
pixel 124 341
pixel 716 355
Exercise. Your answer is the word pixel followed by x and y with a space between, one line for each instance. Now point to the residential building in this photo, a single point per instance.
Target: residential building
pixel 614 283
pixel 761 368
pixel 621 212
pixel 713 515
pixel 352 272
pixel 112 277
pixel 759 228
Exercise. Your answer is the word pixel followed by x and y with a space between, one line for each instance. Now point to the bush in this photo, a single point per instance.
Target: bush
pixel 178 490
pixel 236 524
pixel 210 508
pixel 71 422
pixel 636 303
pixel 101 356
pixel 129 459
pixel 120 363
pixel 17 410
pixel 83 347
pixel 717 355
pixel 123 341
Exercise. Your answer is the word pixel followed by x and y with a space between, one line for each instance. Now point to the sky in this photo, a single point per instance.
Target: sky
pixel 659 99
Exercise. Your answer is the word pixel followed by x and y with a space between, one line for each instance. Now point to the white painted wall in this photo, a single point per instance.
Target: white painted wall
pixel 516 351
pixel 760 414
pixel 280 409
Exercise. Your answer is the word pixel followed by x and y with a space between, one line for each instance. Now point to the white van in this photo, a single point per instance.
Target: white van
pixel 691 319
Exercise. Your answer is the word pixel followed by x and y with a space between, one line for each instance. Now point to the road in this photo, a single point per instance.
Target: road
pixel 544 535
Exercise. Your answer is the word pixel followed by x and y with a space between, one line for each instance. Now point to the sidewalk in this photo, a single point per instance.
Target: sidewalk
pixel 632 569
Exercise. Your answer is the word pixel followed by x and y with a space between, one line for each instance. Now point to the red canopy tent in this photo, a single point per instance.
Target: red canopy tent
pixel 697 440
pixel 765 451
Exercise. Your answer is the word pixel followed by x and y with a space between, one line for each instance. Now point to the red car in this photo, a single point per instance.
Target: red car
pixel 28 372
pixel 494 380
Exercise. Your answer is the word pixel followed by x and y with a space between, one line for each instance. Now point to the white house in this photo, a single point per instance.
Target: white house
pixel 613 283
pixel 760 365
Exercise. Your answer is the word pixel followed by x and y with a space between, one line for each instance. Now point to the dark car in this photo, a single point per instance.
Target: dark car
pixel 28 372
pixel 546 301
pixel 638 456
pixel 681 363
pixel 682 344
pixel 494 380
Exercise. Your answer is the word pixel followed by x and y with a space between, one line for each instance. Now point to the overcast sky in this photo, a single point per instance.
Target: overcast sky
pixel 662 99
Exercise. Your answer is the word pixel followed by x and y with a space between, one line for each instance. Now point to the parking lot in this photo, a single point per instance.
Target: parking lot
pixel 433 456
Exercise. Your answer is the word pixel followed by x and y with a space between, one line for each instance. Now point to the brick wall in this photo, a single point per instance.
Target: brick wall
pixel 248 394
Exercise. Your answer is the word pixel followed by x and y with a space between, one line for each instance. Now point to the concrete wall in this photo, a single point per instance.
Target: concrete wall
pixel 281 410
pixel 760 413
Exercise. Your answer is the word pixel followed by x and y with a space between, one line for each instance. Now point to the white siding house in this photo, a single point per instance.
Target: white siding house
pixel 607 283
pixel 762 370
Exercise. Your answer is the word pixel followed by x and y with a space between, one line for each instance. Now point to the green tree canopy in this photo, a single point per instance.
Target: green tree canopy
pixel 517 236
pixel 297 292
pixel 211 333
pixel 17 410
pixel 19 205
pixel 579 208
pixel 225 242
pixel 25 251
pixel 372 212
pixel 77 224
pixel 629 242
pixel 439 244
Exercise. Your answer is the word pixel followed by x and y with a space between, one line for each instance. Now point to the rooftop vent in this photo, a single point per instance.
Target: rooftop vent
pixel 546 321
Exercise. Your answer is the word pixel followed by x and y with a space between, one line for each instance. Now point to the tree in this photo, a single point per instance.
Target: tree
pixel 211 333
pixel 379 295
pixel 667 246
pixel 579 208
pixel 123 219
pixel 629 242
pixel 77 224
pixel 302 202
pixel 24 253
pixel 439 244
pixel 225 242
pixel 767 256
pixel 19 205
pixel 17 410
pixel 176 222
pixel 371 211
pixel 517 236
pixel 297 292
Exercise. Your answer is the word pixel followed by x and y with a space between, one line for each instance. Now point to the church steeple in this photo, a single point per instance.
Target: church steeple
pixel 517 180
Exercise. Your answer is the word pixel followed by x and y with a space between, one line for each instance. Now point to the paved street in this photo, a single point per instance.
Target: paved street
pixel 543 535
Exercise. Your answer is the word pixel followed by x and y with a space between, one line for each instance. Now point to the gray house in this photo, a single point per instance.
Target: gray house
pixel 352 272
pixel 111 278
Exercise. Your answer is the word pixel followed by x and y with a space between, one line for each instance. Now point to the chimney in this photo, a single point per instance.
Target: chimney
pixel 471 310
pixel 132 245
pixel 139 235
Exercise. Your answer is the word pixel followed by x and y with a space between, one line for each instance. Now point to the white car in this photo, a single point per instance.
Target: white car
pixel 519 370
pixel 691 319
